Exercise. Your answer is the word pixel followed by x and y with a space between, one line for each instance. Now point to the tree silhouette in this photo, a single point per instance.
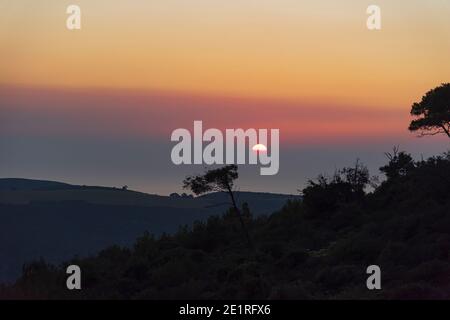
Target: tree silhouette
pixel 433 112
pixel 400 164
pixel 346 185
pixel 217 180
pixel 358 176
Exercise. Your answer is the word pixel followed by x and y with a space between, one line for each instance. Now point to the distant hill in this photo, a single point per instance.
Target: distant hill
pixel 27 191
pixel 56 221
pixel 14 184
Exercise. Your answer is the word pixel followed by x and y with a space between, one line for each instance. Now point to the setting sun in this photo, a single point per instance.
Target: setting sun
pixel 259 148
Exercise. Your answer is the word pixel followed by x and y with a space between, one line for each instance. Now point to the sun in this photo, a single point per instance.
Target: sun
pixel 259 148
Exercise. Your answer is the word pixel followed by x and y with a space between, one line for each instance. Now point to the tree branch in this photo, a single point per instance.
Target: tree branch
pixel 446 130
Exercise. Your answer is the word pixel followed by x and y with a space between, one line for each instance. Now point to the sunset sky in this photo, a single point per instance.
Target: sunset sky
pixel 97 105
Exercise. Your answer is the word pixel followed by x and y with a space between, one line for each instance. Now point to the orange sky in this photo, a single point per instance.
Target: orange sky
pixel 317 51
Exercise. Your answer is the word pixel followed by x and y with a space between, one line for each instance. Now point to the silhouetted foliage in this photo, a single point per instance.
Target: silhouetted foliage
pixel 432 112
pixel 400 163
pixel 326 194
pixel 218 180
pixel 221 179
pixel 318 248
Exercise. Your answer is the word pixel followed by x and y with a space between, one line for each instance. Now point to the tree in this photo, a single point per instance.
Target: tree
pixel 358 176
pixel 400 164
pixel 217 180
pixel 433 112
pixel 327 194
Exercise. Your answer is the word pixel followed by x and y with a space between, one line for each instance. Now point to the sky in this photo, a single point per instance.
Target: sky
pixel 97 105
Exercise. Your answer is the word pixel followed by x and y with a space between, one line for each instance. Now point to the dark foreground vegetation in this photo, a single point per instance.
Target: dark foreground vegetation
pixel 318 248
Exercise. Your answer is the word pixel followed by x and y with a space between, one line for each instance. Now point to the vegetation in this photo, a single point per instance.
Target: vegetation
pixel 316 248
pixel 433 112
pixel 218 180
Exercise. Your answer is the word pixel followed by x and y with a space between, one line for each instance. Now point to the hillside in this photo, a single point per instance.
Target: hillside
pixel 57 221
pixel 27 191
pixel 14 184
pixel 318 248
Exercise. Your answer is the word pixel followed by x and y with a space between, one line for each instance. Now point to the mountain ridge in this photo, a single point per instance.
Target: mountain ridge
pixel 55 220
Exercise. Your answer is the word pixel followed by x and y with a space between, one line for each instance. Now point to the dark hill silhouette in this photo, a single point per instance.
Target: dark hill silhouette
pixel 317 248
pixel 12 184
pixel 26 191
pixel 56 221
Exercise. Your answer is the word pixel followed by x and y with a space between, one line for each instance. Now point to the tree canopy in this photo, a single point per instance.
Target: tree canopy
pixel 432 112
pixel 221 179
